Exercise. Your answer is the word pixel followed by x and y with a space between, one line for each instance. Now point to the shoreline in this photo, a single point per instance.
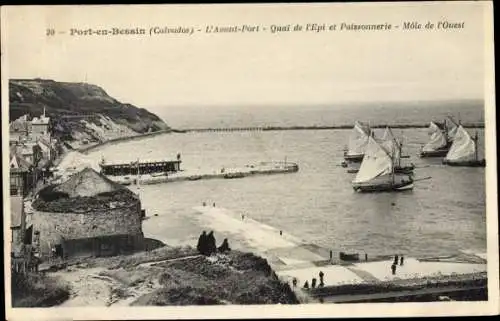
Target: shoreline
pixel 86 149
pixel 291 257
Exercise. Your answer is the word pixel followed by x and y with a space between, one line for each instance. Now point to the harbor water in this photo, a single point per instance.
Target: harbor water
pixel 441 216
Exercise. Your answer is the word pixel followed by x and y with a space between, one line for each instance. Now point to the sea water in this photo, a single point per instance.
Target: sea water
pixel 441 216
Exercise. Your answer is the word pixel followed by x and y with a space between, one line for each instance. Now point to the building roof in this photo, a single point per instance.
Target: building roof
pixel 18 162
pixel 40 121
pixel 16 211
pixel 87 183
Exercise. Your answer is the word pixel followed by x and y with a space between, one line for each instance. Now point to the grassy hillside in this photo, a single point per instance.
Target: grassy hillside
pixel 62 99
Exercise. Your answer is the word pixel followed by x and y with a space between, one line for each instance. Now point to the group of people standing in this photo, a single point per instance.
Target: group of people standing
pixel 207 245
pixel 313 282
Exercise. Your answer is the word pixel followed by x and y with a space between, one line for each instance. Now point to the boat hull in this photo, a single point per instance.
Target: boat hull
pixel 398 170
pixel 475 163
pixel 434 153
pixel 383 188
pixel 385 184
pixel 404 169
pixel 354 158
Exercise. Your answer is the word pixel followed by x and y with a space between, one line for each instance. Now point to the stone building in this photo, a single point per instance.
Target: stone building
pixel 40 127
pixel 22 175
pixel 19 130
pixel 87 215
pixel 17 223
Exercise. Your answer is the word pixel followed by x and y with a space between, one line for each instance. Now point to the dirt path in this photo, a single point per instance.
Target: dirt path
pixel 99 287
pixel 149 264
pixel 85 289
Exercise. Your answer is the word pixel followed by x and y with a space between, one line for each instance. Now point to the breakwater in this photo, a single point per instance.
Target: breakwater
pixel 264 168
pixel 333 127
pixel 87 148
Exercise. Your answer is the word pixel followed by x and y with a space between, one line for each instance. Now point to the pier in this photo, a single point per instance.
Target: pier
pixel 314 127
pixel 354 281
pixel 140 167
pixel 264 168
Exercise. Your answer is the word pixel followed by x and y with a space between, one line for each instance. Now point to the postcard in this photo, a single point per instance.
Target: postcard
pixel 249 160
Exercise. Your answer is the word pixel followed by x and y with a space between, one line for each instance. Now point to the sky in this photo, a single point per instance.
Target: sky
pixel 287 68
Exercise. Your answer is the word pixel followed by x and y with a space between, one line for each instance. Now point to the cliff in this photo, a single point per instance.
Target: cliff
pixel 80 111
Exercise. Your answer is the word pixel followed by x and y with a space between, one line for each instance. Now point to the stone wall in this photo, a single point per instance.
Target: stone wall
pixel 104 223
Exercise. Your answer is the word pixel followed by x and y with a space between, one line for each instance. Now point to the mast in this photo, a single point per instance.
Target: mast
pixel 400 149
pixel 475 146
pixel 392 168
pixel 138 178
pixel 445 131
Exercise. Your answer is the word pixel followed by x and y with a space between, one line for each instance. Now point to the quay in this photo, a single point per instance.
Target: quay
pixel 344 281
pixel 177 175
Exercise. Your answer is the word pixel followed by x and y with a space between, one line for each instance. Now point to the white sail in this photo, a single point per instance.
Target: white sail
pixel 358 139
pixel 437 140
pixel 376 162
pixel 433 127
pixel 452 129
pixel 463 147
pixel 391 144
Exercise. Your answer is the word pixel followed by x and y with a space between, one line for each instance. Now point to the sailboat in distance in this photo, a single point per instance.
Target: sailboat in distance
pixel 438 144
pixel 358 141
pixel 463 151
pixel 377 174
pixel 441 138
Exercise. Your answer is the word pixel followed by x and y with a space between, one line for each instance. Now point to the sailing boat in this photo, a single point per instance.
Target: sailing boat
pixel 357 142
pixel 394 147
pixel 391 143
pixel 441 138
pixel 438 144
pixel 377 174
pixel 463 151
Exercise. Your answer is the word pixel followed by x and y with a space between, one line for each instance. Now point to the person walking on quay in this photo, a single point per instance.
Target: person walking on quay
pixel 321 280
pixel 402 260
pixel 214 204
pixel 313 283
pixel 366 257
pixel 281 232
pixel 294 282
pixel 393 268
